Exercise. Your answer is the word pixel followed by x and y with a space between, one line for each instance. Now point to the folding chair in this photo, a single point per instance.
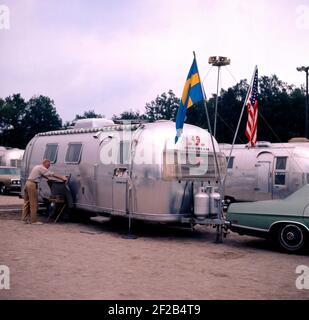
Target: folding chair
pixel 59 199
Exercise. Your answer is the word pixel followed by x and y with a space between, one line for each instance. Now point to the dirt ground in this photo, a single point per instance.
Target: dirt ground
pixel 94 261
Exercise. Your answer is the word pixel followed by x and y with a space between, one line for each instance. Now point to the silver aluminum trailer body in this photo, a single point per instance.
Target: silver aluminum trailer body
pixel 267 171
pixel 129 169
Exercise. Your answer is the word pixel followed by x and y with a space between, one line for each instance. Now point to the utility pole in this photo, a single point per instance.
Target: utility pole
pixel 218 62
pixel 306 70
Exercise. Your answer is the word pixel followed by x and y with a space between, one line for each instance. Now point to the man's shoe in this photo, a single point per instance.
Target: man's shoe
pixel 25 221
pixel 36 223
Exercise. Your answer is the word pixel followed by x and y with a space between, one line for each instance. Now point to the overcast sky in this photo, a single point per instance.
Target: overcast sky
pixel 112 56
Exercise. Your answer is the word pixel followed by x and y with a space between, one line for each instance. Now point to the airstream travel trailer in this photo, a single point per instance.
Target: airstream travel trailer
pixel 11 157
pixel 266 171
pixel 134 169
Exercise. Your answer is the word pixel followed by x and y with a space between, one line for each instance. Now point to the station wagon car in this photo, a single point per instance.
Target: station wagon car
pixel 286 220
pixel 9 180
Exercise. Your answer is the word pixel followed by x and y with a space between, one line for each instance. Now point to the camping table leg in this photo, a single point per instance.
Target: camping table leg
pixel 51 209
pixel 64 205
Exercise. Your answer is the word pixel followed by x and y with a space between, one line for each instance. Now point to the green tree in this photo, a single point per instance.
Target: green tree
pixel 12 113
pixel 230 104
pixel 163 107
pixel 129 115
pixel 88 114
pixel 280 106
pixel 41 116
pixel 21 120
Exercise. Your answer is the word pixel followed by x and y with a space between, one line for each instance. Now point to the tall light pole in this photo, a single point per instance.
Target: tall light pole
pixel 306 70
pixel 218 62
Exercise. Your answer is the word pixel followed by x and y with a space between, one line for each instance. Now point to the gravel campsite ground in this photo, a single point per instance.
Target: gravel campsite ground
pixel 87 260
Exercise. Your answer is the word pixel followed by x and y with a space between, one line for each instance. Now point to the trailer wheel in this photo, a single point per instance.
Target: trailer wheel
pixel 291 238
pixel 2 189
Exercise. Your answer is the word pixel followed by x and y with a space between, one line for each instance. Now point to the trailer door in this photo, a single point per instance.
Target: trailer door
pixel 103 181
pixel 120 187
pixel 263 189
pixel 263 182
pixel 121 178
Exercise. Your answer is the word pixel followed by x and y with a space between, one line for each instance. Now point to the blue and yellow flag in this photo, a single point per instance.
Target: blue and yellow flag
pixel 192 94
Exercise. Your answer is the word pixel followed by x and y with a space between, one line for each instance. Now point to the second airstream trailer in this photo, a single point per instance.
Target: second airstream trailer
pixel 11 157
pixel 133 169
pixel 266 171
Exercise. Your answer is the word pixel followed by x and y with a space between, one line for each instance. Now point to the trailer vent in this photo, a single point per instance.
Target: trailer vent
pixel 92 123
pixel 298 139
pixel 92 130
pixel 263 144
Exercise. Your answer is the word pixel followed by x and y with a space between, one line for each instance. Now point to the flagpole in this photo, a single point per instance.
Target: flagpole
pixel 209 126
pixel 216 104
pixel 219 212
pixel 238 125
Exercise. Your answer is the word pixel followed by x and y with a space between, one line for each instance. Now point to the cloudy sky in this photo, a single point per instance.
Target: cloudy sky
pixel 112 56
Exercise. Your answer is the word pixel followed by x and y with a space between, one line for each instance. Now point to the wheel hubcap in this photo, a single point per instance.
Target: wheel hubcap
pixel 291 237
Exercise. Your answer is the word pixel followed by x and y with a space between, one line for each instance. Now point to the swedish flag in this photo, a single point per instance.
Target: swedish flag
pixel 192 94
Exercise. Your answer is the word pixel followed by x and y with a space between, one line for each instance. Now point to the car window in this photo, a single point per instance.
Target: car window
pixel 14 171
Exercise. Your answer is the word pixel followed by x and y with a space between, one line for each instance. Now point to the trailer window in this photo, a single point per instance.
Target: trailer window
pixel 187 165
pixel 281 163
pixel 280 171
pixel 15 163
pixel 230 163
pixel 51 151
pixel 73 153
pixel 280 178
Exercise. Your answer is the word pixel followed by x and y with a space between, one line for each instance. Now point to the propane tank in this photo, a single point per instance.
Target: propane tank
pixel 201 203
pixel 214 201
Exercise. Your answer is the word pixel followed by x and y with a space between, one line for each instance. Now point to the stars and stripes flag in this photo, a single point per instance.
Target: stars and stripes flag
pixel 252 108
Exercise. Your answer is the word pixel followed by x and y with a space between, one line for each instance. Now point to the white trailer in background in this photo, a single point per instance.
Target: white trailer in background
pixel 11 157
pixel 266 171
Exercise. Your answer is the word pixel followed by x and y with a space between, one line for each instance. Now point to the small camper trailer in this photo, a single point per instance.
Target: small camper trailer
pixel 266 171
pixel 11 157
pixel 133 169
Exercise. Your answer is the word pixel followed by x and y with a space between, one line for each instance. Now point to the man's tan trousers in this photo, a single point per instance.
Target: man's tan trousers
pixel 30 202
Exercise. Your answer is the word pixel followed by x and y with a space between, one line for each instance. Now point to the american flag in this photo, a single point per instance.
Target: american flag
pixel 252 108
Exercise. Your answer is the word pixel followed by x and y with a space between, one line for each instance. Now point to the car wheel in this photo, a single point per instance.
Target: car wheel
pixel 2 189
pixel 291 237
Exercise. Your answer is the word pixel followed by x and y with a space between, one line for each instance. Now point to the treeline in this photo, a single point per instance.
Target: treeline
pixel 281 113
pixel 20 120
